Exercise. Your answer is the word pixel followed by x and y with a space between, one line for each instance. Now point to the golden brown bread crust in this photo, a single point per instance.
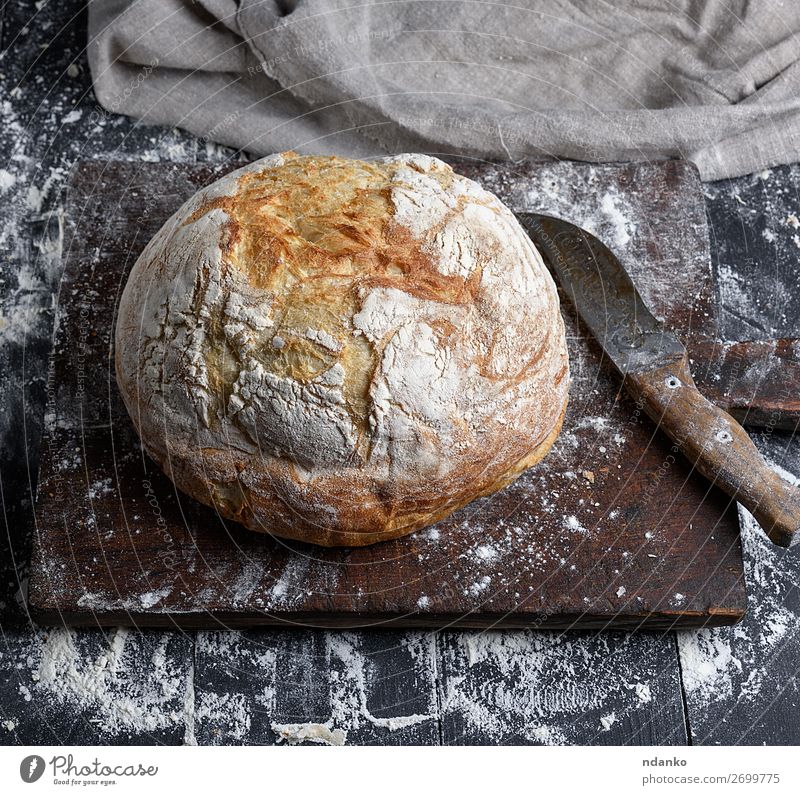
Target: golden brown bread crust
pixel 342 352
pixel 366 523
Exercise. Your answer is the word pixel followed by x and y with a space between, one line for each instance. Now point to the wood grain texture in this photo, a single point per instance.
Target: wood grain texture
pixel 581 540
pixel 277 686
pixel 518 688
pixel 756 381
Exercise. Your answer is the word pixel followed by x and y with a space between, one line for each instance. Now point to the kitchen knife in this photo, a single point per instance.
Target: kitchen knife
pixel 655 368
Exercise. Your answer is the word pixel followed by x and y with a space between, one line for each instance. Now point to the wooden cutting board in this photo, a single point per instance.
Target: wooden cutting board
pixel 611 530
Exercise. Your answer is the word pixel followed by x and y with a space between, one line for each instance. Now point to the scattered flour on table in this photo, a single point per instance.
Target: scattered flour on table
pixel 499 685
pixel 545 735
pixel 125 682
pixel 349 700
pixel 286 591
pixel 7 180
pixel 731 665
pixel 246 582
pixel 610 206
pixel 230 712
pixel 479 586
pixel 100 487
pixel 574 524
pixel 103 601
pixel 485 552
pixel 607 721
pixel 769 309
pixel 296 733
pixel 544 687
pixel 643 692
pixel 233 716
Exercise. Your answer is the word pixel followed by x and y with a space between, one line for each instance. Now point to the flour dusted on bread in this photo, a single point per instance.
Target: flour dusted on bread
pixel 341 351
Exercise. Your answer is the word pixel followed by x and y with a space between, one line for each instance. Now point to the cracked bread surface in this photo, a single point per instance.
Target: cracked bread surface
pixel 341 351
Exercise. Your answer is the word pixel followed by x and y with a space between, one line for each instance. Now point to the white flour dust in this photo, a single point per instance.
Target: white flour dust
pixel 233 716
pixel 730 666
pixel 759 311
pixel 527 684
pixel 124 682
pixel 297 733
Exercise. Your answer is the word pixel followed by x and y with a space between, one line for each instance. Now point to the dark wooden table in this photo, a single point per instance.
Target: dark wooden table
pixel 728 685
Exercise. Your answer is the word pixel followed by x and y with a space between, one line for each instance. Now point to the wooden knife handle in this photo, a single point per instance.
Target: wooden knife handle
pixel 718 447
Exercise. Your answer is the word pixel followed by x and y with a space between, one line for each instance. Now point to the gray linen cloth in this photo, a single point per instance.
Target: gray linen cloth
pixel 713 81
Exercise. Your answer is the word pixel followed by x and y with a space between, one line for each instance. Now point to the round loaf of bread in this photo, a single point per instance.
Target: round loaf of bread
pixel 341 351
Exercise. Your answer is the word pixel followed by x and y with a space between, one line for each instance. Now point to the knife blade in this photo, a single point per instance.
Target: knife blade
pixel 655 368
